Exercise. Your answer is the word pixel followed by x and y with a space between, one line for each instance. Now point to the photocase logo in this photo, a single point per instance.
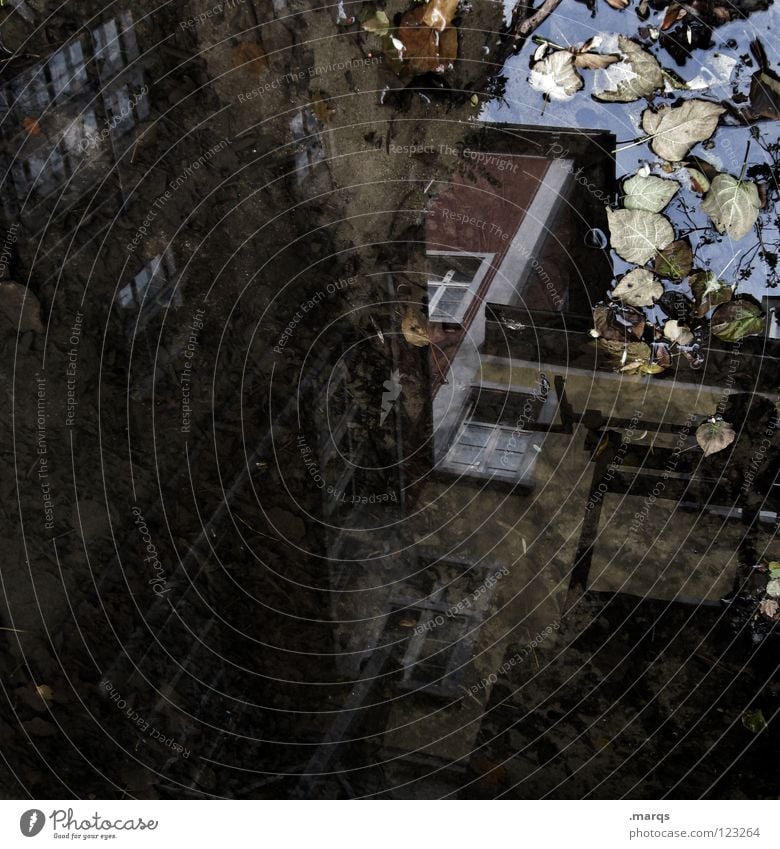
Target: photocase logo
pixel 31 822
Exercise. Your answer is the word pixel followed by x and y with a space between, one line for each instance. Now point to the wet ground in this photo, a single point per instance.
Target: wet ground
pixel 315 480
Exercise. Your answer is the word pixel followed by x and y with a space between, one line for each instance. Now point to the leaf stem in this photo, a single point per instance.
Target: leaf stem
pixel 633 144
pixel 744 165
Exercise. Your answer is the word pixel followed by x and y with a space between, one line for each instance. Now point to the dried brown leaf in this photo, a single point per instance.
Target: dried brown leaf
pixel 415 329
pixel 250 57
pixel 714 435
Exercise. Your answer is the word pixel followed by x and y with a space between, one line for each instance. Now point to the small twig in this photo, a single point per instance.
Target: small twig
pixel 529 24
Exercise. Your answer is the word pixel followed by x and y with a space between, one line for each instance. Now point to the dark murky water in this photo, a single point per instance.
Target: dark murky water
pixel 316 483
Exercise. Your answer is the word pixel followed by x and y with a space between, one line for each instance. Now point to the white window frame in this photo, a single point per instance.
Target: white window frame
pixel 438 286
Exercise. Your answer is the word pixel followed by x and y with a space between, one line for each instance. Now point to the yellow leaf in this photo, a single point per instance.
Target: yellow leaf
pixel 414 329
pixel 44 691
pixel 439 13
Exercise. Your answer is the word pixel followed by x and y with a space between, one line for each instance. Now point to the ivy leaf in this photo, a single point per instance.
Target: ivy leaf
pixel 639 288
pixel 615 322
pixel 375 21
pixel 20 306
pixel 732 205
pixel 637 235
pixel 699 182
pixel 651 194
pixel 754 721
pixel 709 291
pixel 674 130
pixel 250 57
pixel 595 61
pixel 676 332
pixel 586 57
pixel 733 321
pixel 555 76
pixel 629 356
pixel 674 261
pixel 45 692
pixel 765 95
pixel 414 329
pixel 439 13
pixel 714 435
pixel 638 75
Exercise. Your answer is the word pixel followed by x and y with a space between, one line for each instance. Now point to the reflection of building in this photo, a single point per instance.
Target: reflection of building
pixel 66 119
pixel 421 600
pixel 542 467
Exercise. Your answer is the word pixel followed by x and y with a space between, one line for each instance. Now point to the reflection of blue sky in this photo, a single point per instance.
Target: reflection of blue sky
pixel 571 24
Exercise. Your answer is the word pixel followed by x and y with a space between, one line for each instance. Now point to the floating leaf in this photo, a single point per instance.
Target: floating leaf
pixel 714 435
pixel 662 355
pixel 323 110
pixel 638 75
pixel 773 588
pixel 765 95
pixel 774 568
pixel 586 58
pixel 674 261
pixel 376 22
pixel 674 130
pixel 414 329
pixel 615 322
pixel 439 13
pixel 673 14
pixel 637 235
pixel 737 319
pixel 45 692
pixel 595 61
pixel 764 86
pixel 639 288
pixel 555 76
pixel 708 291
pixel 31 126
pixel 424 48
pixel 699 181
pixel 20 306
pixel 679 333
pixel 250 58
pixel 629 356
pixel 732 205
pixel 754 721
pixel 676 305
pixel 651 194
pixel 769 607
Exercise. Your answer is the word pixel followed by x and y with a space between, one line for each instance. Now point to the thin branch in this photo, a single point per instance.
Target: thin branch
pixel 529 24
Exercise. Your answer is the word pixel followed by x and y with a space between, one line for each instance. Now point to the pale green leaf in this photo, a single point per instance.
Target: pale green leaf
pixel 733 321
pixel 637 235
pixel 674 130
pixel 638 75
pixel 732 205
pixel 555 76
pixel 649 193
pixel 714 435
pixel 639 288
